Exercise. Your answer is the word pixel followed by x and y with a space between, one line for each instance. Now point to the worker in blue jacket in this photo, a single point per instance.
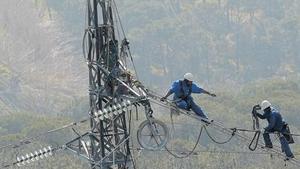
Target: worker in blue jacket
pixel 275 123
pixel 182 90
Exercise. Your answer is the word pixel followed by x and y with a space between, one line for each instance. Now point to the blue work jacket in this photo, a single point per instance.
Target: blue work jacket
pixel 180 88
pixel 274 119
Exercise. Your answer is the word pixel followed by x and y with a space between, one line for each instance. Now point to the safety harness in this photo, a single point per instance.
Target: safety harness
pixel 182 94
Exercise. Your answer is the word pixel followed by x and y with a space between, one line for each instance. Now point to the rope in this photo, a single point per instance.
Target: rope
pixel 256 139
pixel 196 144
pixel 172 121
pixel 190 152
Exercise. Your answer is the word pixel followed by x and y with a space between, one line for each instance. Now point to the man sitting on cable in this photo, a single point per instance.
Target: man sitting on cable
pixel 182 90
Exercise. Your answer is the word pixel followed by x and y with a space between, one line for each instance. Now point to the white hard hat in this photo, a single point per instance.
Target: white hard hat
pixel 265 104
pixel 188 76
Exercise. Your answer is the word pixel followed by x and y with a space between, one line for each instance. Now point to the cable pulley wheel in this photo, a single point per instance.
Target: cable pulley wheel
pixel 152 134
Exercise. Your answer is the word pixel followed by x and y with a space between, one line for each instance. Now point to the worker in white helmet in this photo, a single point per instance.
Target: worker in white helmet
pixel 275 123
pixel 182 90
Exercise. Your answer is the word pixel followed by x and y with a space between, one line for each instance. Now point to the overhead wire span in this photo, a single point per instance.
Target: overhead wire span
pixel 29 140
pixel 119 18
pixel 124 34
pixel 195 153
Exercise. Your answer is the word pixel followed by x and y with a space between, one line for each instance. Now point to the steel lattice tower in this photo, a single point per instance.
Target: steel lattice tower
pixel 109 137
pixel 106 146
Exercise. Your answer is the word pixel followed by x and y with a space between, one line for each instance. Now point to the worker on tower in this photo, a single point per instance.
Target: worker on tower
pixel 182 90
pixel 275 124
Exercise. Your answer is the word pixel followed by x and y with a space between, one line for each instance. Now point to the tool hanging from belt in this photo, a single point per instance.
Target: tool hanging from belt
pixel 287 133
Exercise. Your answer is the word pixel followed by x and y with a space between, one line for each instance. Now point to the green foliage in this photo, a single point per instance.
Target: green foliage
pixel 218 43
pixel 2 32
pixel 245 50
pixel 4 71
pixel 25 123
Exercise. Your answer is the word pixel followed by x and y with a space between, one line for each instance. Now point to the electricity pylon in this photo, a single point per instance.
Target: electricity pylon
pixel 106 145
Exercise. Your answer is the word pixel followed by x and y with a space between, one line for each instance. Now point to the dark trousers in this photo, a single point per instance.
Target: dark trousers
pixel 284 143
pixel 190 104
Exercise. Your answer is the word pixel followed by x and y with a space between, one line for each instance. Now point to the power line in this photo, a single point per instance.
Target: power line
pixel 124 34
pixel 196 153
pixel 29 140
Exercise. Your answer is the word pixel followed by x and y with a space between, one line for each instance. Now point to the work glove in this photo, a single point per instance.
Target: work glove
pixel 163 99
pixel 212 94
pixel 255 108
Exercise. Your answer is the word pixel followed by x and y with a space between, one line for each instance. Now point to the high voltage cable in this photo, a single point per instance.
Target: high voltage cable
pixel 233 128
pixel 28 140
pixel 119 18
pixel 195 153
pixel 124 34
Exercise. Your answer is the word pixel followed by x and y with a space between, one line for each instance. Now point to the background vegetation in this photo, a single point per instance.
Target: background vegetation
pixel 244 51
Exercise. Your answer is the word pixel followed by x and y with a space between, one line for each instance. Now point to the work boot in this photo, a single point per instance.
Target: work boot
pixel 269 146
pixel 289 157
pixel 206 121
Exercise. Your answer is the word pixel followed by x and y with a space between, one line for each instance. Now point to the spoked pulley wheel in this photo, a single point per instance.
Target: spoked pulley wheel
pixel 152 134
